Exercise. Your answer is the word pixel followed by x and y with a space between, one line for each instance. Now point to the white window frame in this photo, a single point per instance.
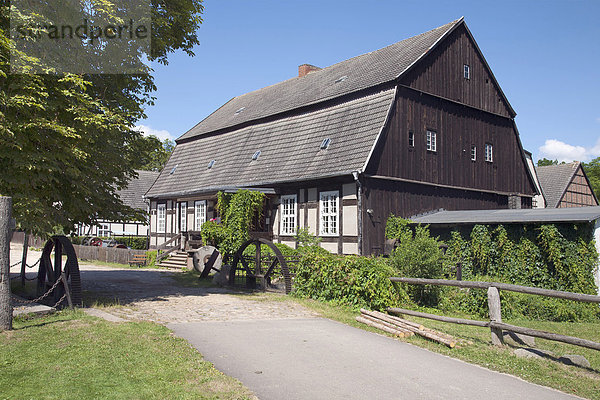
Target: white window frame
pixel 431 140
pixel 199 213
pixel 288 209
pixel 329 218
pixel 411 139
pixel 489 152
pixel 104 230
pixel 161 218
pixel 182 207
pixel 467 71
pixel 473 152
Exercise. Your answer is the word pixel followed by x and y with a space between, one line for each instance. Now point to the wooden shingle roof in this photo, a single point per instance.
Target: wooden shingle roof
pixel 555 179
pixel 132 195
pixel 290 149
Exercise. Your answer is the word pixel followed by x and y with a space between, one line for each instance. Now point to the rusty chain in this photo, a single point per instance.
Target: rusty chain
pixel 59 280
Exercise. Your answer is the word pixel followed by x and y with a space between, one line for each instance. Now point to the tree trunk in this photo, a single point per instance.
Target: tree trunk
pixel 5 228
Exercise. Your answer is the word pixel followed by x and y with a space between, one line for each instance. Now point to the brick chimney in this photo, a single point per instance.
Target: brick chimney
pixel 305 69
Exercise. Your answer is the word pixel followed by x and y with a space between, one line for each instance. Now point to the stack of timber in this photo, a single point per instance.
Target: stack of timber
pixel 402 328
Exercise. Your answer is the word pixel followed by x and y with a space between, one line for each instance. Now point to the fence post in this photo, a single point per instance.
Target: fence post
pixel 495 315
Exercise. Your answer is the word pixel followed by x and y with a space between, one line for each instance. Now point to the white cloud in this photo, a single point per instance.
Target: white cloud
pixel 561 151
pixel 161 134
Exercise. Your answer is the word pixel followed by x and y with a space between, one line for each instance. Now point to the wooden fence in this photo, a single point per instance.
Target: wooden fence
pixel 106 254
pixel 495 324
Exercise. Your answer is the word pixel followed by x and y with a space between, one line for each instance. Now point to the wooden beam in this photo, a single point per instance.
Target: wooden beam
pixel 546 335
pixel 588 298
pixel 461 321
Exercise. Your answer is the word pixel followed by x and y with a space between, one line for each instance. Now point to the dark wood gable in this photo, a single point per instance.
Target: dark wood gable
pixel 579 192
pixel 442 73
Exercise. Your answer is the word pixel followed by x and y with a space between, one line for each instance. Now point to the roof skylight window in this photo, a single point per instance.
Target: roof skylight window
pixel 173 170
pixel 255 155
pixel 211 163
pixel 240 110
pixel 341 79
pixel 325 143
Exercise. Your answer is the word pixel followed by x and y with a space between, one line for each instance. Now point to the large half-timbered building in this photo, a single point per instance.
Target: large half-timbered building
pixel 416 126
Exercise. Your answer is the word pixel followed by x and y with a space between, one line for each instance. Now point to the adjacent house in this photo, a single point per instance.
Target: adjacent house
pixel 566 185
pixel 419 125
pixel 132 196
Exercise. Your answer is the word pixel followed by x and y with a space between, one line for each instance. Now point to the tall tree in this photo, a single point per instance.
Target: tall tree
pixel 592 170
pixel 68 142
pixel 544 162
pixel 152 154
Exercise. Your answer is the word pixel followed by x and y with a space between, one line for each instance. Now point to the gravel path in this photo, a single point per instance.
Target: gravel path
pixel 154 295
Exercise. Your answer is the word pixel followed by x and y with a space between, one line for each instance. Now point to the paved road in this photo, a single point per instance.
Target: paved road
pixel 316 358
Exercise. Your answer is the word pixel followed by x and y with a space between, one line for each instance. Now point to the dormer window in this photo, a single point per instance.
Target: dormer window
pixel 211 164
pixel 256 155
pixel 239 110
pixel 467 72
pixel 325 143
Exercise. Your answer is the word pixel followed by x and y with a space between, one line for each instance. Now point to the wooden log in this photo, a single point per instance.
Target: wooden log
pixel 495 315
pixel 379 326
pixel 547 335
pixel 405 332
pixel 588 298
pixel 390 319
pixel 429 335
pixel 452 320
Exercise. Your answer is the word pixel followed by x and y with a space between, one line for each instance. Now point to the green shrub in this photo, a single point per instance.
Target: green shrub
pixel 417 255
pixel 151 257
pixel 349 280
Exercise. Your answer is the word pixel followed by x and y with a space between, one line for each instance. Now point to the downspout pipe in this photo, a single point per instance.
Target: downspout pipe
pixel 356 176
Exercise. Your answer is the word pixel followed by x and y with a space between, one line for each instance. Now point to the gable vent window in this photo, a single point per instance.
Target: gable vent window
pixel 256 155
pixel 411 139
pixel 325 143
pixel 173 170
pixel 473 152
pixel 239 110
pixel 211 164
pixel 341 79
pixel 489 155
pixel 431 141
pixel 467 72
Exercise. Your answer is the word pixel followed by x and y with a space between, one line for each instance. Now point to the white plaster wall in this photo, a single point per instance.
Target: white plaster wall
pixel 300 216
pixel 289 243
pixel 350 248
pixel 350 227
pixel 312 221
pixel 330 247
pixel 276 221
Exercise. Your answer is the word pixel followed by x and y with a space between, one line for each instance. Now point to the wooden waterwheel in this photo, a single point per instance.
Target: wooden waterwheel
pixel 260 268
pixel 49 272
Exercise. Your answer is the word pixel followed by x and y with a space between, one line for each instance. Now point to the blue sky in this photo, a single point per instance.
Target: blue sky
pixel 544 54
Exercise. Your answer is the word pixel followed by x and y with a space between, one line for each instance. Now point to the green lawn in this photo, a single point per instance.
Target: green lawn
pixel 70 355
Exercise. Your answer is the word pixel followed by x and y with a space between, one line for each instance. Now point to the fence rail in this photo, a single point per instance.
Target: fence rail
pixel 495 324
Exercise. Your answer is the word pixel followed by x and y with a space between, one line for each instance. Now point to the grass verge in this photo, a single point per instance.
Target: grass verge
pixel 70 355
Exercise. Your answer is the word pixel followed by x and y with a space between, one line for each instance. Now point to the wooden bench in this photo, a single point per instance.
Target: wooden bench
pixel 138 260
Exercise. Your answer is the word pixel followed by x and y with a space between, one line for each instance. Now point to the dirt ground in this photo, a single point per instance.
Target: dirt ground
pixel 156 295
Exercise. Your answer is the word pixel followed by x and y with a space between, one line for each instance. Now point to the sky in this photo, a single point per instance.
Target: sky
pixel 544 54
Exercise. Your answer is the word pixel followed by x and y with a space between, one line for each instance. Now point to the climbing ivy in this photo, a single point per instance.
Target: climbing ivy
pixel 236 210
